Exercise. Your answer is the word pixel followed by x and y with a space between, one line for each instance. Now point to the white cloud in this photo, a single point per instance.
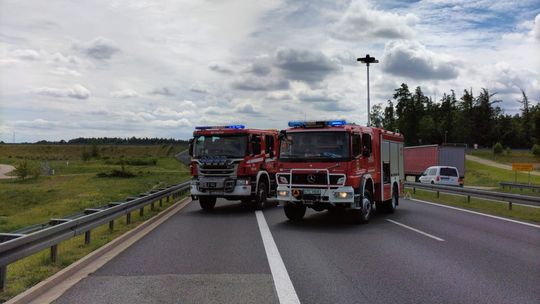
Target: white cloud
pixel 412 59
pixel 125 93
pixel 77 91
pixel 26 54
pixel 310 66
pixel 362 21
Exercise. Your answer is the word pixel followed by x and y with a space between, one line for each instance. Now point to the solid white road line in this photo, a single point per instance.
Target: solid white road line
pixel 416 230
pixel 477 213
pixel 282 281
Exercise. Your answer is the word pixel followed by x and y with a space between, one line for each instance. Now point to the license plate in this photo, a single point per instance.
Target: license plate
pixel 312 191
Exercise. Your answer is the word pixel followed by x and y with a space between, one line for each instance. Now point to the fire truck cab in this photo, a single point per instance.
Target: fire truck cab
pixel 234 163
pixel 333 165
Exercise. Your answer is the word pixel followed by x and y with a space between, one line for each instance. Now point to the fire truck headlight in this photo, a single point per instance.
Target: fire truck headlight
pixel 343 194
pixel 242 182
pixel 283 180
pixel 283 193
pixel 341 180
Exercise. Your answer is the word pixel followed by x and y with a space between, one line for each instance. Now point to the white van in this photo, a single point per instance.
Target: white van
pixel 441 175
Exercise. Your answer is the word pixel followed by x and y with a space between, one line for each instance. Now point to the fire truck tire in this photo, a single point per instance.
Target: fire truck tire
pixel 390 206
pixel 207 203
pixel 294 212
pixel 260 198
pixel 362 215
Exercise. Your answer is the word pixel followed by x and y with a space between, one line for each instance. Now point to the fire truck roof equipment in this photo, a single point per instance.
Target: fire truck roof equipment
pixel 220 127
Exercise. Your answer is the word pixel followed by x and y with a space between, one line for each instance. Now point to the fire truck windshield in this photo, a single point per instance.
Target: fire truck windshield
pixel 233 146
pixel 315 146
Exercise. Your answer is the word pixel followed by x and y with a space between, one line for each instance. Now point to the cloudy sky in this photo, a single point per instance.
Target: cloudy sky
pixel 158 68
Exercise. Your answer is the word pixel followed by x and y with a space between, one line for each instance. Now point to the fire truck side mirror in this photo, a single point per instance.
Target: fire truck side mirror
pixel 282 135
pixel 365 152
pixel 191 147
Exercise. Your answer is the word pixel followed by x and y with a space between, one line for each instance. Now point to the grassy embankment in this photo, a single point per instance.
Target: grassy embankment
pixel 487 176
pixel 74 187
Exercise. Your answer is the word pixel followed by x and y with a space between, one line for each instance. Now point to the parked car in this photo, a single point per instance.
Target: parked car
pixel 441 175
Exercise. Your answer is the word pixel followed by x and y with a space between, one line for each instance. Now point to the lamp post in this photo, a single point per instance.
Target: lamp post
pixel 367 60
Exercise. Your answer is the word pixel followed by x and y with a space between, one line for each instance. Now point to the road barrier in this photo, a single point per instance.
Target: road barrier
pixel 30 240
pixel 510 198
pixel 519 186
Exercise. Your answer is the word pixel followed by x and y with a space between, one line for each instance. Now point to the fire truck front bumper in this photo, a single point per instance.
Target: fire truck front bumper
pixel 221 187
pixel 311 196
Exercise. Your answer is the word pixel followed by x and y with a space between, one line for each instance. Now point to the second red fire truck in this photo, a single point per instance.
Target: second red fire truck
pixel 334 165
pixel 234 163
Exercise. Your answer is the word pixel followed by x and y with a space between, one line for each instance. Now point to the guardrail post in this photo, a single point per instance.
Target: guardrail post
pixel 468 198
pixel 141 212
pixel 87 237
pixel 438 194
pixel 161 202
pixel 509 205
pixel 3 277
pixel 414 190
pixel 152 206
pixel 128 218
pixel 168 197
pixel 111 225
pixel 54 253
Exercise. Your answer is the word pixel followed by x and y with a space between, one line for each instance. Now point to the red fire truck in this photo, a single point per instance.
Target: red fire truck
pixel 234 163
pixel 332 165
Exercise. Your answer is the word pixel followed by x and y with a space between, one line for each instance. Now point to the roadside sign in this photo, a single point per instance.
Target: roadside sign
pixel 522 167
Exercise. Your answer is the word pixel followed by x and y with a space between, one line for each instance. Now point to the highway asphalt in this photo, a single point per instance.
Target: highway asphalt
pixel 420 254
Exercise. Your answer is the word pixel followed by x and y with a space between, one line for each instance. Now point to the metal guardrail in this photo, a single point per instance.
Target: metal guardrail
pixel 510 198
pixel 30 240
pixel 519 186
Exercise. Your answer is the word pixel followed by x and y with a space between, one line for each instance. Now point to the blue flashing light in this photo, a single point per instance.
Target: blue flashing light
pixel 321 123
pixel 235 127
pixel 336 123
pixel 296 124
pixel 220 127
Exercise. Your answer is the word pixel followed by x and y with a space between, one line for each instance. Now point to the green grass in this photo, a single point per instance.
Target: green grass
pixel 31 270
pixel 515 156
pixel 487 176
pixel 518 212
pixel 74 187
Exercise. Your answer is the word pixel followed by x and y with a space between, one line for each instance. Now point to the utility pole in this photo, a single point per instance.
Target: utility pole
pixel 367 60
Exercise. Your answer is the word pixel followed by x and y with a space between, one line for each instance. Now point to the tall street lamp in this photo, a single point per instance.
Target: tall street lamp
pixel 367 60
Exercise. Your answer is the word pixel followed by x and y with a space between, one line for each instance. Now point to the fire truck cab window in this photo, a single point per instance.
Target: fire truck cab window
pixel 220 145
pixel 356 144
pixel 269 139
pixel 315 146
pixel 366 144
pixel 255 144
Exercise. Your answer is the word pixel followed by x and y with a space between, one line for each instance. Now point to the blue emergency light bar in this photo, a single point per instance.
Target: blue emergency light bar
pixel 313 123
pixel 220 127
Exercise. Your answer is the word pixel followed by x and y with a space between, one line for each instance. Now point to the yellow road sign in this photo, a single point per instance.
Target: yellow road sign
pixel 522 167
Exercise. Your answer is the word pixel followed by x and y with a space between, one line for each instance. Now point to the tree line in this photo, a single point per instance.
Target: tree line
pixel 116 141
pixel 467 119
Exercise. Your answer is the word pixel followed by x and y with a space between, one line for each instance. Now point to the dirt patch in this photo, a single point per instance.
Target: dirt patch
pixel 5 169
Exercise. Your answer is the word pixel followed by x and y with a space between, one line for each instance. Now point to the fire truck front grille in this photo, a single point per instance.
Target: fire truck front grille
pixel 315 179
pixel 217 170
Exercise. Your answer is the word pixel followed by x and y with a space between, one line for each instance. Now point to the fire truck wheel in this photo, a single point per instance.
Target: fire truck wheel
pixel 363 215
pixel 260 198
pixel 207 203
pixel 294 212
pixel 390 206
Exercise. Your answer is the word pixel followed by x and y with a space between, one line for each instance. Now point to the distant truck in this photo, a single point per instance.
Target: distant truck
pixel 234 163
pixel 418 158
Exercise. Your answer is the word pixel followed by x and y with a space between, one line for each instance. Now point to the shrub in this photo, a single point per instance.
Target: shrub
pixel 536 150
pixel 86 155
pixel 22 169
pixel 117 173
pixel 497 148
